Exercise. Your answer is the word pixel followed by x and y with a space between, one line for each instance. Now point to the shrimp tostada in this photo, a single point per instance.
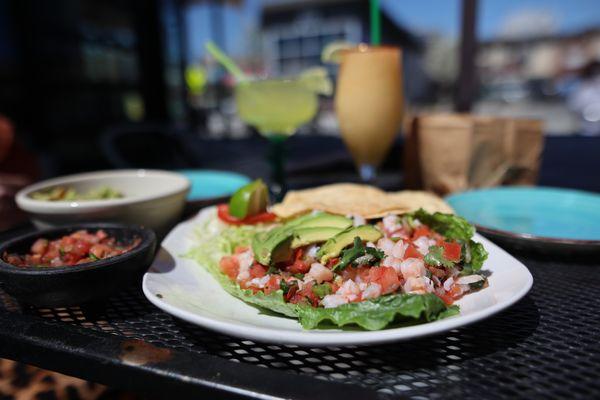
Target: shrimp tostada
pixel 343 255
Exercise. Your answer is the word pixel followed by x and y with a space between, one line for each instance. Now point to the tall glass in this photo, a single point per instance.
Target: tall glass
pixel 369 104
pixel 276 108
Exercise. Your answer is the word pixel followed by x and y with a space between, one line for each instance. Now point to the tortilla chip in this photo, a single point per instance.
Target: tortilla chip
pixel 415 199
pixel 354 199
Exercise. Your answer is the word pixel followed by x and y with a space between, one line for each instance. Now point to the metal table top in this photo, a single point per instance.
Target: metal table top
pixel 544 346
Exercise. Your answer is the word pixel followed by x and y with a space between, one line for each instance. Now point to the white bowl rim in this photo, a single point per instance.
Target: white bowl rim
pixel 182 184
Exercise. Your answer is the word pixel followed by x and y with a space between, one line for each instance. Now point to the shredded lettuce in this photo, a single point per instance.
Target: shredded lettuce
pixel 215 240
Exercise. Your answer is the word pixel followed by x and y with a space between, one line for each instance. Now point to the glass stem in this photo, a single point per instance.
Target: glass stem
pixel 277 155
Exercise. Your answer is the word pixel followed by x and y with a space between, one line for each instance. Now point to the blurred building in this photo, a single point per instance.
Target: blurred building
pixel 296 31
pixel 533 67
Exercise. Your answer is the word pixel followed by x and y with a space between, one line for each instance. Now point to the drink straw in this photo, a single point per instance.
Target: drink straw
pixel 226 61
pixel 375 23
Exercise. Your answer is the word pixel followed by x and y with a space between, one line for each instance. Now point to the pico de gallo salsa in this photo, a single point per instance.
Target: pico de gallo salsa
pixel 396 255
pixel 77 248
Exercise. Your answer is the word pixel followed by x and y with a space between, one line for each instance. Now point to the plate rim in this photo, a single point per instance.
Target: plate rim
pixel 317 338
pixel 529 237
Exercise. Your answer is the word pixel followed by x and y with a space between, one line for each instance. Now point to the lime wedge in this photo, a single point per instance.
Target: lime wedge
pixel 316 79
pixel 249 200
pixel 332 53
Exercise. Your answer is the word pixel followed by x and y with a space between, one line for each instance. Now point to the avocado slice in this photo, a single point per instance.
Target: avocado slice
pixel 274 242
pixel 276 245
pixel 322 220
pixel 250 199
pixel 334 246
pixel 317 234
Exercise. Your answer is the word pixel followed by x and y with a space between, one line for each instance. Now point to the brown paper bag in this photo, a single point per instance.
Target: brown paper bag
pixel 445 153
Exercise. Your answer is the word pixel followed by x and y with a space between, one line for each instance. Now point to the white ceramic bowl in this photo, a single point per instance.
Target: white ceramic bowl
pixel 152 198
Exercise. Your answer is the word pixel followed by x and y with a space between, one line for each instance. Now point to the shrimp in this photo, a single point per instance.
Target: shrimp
pixel 320 273
pixel 412 268
pixel 386 245
pixel 418 285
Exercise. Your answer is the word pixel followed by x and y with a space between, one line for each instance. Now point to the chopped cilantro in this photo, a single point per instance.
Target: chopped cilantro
pixel 351 254
pixel 379 254
pixel 436 257
pixel 283 285
pixel 356 252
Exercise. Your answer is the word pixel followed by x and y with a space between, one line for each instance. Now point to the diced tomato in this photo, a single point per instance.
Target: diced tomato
pixel 298 267
pixel 272 285
pixel 40 246
pixel 257 271
pixel 81 248
pixel 446 298
pixel 99 250
pixel 452 295
pixel 451 251
pixel 223 214
pixel 306 294
pixel 70 258
pixel 51 254
pixel 293 288
pixel 386 277
pixel 332 262
pixel 230 266
pixel 412 252
pixel 421 230
pixel 298 253
pixel 67 240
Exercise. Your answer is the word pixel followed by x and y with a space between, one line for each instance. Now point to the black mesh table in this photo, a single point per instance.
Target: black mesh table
pixel 546 346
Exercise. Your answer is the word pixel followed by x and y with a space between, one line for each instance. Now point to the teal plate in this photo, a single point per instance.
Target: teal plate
pixel 534 216
pixel 208 185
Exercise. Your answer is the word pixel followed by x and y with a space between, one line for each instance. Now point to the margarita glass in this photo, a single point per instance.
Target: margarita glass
pixel 277 108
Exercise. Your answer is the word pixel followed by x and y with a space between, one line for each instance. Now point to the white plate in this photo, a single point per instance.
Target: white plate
pixel 184 289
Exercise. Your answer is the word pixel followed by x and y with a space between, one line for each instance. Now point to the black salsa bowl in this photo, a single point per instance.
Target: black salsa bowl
pixel 72 285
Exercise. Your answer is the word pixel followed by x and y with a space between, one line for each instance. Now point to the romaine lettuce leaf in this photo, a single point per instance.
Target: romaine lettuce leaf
pixel 401 309
pixel 449 225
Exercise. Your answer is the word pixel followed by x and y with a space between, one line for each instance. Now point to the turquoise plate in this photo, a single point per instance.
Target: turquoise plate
pixel 535 215
pixel 210 185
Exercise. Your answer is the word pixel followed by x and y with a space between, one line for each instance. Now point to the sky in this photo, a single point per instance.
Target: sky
pixel 442 16
pixel 570 15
